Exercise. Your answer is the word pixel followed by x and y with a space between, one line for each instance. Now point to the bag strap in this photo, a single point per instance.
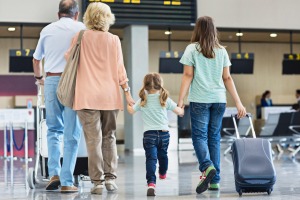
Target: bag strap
pixel 80 37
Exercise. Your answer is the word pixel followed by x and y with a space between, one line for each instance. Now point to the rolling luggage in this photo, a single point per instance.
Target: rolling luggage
pixel 81 166
pixel 252 160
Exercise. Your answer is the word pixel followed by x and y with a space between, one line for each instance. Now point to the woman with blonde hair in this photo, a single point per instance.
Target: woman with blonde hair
pixel 98 100
pixel 206 73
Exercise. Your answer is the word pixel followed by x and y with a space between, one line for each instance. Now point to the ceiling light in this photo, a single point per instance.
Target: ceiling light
pixel 273 35
pixel 239 34
pixel 168 32
pixel 11 29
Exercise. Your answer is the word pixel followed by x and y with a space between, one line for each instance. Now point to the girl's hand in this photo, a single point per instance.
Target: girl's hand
pixel 182 111
pixel 241 110
pixel 130 109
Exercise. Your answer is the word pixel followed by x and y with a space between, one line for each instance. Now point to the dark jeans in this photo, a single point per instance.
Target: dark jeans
pixel 206 120
pixel 156 147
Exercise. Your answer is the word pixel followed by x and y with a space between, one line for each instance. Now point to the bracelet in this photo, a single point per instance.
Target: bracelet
pixel 38 77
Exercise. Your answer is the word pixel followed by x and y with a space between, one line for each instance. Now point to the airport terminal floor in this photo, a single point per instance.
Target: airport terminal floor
pixel 180 183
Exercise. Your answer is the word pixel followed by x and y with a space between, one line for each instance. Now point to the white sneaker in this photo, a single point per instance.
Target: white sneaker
pixel 111 185
pixel 97 189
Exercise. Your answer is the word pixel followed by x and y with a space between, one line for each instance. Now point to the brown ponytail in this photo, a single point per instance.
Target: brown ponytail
pixel 153 81
pixel 143 97
pixel 163 97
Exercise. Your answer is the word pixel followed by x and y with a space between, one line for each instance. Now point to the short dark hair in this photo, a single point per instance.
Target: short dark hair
pixel 298 91
pixel 68 8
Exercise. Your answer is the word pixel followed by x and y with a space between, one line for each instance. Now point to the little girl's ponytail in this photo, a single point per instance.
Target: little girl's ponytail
pixel 163 97
pixel 143 97
pixel 153 81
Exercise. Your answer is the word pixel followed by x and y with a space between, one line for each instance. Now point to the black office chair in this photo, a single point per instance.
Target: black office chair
pixel 295 130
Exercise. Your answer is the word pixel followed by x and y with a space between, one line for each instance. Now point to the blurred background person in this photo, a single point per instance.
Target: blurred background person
pixel 298 96
pixel 266 100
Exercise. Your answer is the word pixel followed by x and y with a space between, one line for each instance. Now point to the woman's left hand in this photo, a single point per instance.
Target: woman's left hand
pixel 129 99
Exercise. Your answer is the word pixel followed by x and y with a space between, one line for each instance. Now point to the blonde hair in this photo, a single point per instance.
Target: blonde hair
pixel 98 16
pixel 153 81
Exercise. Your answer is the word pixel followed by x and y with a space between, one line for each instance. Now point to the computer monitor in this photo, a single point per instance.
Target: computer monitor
pixel 290 66
pixel 242 66
pixel 20 64
pixel 170 65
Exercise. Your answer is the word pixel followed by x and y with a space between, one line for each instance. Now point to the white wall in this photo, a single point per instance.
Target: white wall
pixel 29 11
pixel 265 14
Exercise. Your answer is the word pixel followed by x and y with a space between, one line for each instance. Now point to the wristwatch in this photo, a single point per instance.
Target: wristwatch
pixel 127 89
pixel 38 77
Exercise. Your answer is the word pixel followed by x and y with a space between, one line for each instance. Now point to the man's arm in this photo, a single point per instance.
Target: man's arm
pixel 37 68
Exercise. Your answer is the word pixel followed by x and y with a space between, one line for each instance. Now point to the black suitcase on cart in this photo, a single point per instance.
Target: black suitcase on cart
pixel 252 161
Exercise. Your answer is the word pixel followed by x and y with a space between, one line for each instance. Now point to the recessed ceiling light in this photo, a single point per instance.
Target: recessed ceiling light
pixel 273 35
pixel 239 34
pixel 168 32
pixel 11 29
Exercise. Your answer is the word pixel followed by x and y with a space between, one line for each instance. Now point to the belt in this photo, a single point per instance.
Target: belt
pixel 53 74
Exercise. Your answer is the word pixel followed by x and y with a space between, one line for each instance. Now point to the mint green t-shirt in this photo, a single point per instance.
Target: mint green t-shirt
pixel 207 85
pixel 153 114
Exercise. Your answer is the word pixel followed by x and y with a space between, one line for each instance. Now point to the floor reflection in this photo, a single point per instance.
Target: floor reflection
pixel 182 178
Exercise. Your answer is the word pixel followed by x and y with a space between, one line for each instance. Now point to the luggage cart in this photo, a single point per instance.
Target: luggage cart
pixel 81 167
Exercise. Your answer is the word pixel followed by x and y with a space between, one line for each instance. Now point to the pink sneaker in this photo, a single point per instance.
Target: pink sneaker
pixel 162 177
pixel 151 189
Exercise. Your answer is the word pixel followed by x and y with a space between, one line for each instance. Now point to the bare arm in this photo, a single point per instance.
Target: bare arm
pixel 187 78
pixel 37 68
pixel 229 84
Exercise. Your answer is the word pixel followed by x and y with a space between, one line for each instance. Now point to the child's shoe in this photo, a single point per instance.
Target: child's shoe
pixel 162 177
pixel 214 186
pixel 206 177
pixel 151 189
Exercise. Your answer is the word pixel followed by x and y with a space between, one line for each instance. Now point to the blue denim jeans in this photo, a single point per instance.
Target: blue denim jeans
pixel 156 147
pixel 206 120
pixel 61 121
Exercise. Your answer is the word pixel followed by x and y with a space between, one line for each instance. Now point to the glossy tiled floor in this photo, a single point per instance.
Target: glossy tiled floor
pixel 180 184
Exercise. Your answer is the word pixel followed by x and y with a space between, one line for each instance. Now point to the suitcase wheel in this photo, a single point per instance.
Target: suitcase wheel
pixel 240 192
pixel 269 191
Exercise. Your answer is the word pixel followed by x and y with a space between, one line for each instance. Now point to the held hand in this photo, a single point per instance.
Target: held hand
pixel 129 99
pixel 182 111
pixel 241 110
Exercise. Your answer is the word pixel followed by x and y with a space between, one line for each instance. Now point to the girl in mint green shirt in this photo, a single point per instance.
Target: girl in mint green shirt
pixel 154 104
pixel 206 76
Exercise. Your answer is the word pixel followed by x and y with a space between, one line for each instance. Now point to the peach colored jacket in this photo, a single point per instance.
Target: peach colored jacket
pixel 100 72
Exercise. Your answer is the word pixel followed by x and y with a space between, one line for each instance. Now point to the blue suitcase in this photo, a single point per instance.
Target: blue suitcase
pixel 253 166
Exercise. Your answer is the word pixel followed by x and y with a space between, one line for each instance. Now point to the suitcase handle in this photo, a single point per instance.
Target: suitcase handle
pixel 247 115
pixel 234 116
